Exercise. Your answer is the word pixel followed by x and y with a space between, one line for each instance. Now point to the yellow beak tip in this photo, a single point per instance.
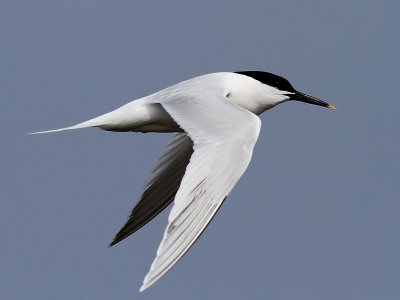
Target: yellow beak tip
pixel 331 107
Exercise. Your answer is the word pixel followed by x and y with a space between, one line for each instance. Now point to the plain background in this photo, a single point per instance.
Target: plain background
pixel 316 216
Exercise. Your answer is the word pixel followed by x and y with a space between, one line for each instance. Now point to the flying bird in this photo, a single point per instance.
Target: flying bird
pixel 216 125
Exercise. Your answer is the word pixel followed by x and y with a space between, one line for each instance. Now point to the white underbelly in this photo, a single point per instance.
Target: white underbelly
pixel 139 116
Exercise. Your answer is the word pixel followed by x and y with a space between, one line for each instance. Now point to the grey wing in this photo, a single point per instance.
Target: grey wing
pixel 162 186
pixel 223 136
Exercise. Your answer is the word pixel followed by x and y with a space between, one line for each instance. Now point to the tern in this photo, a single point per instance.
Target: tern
pixel 216 125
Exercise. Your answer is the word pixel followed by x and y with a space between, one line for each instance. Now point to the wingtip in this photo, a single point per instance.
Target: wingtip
pixel 118 238
pixel 150 278
pixel 145 285
pixel 142 288
pixel 112 243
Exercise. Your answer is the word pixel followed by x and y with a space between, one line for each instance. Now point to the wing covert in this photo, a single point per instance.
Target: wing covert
pixel 223 137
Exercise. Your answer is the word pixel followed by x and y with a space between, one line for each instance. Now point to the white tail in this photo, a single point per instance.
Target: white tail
pixel 134 116
pixel 100 121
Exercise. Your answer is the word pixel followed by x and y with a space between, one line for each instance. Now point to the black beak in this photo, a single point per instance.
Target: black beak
pixel 299 96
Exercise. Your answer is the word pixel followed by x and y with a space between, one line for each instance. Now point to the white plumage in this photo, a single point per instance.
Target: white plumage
pixel 215 117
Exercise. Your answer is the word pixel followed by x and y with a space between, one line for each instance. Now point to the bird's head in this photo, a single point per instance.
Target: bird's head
pixel 279 89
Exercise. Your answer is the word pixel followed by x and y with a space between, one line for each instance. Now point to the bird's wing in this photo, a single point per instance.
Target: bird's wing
pixel 223 136
pixel 162 185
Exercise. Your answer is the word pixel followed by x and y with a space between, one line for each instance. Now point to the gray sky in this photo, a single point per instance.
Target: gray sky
pixel 316 216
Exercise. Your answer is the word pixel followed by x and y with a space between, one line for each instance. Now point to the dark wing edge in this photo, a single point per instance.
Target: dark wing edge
pixel 162 186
